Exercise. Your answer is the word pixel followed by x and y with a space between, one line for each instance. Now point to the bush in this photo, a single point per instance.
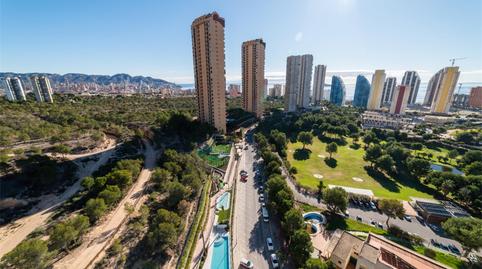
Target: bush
pixel 429 253
pixel 293 170
pixel 95 208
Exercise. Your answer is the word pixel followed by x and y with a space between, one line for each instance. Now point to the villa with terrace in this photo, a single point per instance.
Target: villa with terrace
pixel 347 251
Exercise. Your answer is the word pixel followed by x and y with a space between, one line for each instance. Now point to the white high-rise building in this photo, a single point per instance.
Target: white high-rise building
pixel 298 81
pixel 14 89
pixel 388 89
pixel 376 90
pixel 319 83
pixel 411 78
pixel 42 89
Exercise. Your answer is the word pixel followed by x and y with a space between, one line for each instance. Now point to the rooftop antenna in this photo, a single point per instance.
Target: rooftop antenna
pixel 456 59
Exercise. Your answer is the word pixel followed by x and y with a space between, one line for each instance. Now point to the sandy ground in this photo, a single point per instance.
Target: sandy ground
pixel 98 239
pixel 13 233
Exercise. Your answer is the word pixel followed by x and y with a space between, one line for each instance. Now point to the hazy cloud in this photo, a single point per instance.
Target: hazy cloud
pixel 298 36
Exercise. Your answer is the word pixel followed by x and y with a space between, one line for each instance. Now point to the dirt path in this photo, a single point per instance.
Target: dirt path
pixel 107 144
pixel 99 238
pixel 13 233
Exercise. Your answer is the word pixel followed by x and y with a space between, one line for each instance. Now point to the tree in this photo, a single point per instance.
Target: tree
pixel 110 194
pixel 368 139
pixel 474 168
pixel 31 253
pixel 331 148
pixel 306 138
pixel 301 247
pixel 418 167
pixel 471 156
pixel 398 153
pixel 292 221
pixel 176 193
pixel 62 149
pixel 88 183
pixel 453 154
pixel 465 137
pixel 417 146
pixel 95 208
pixel 468 231
pixel 163 236
pixel 161 177
pixel 164 215
pixel 314 263
pixel 385 163
pixel 64 234
pixel 121 178
pixel 336 199
pixel 321 187
pixel 392 208
pixel 372 153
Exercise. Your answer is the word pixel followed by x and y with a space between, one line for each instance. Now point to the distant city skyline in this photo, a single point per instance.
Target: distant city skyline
pixel 96 38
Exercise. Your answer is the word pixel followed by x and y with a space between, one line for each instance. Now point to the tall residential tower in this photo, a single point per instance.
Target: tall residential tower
pixel 411 78
pixel 298 81
pixel 400 99
pixel 42 89
pixel 441 89
pixel 254 83
pixel 319 83
pixel 14 89
pixel 337 92
pixel 388 89
pixel 208 57
pixel 376 90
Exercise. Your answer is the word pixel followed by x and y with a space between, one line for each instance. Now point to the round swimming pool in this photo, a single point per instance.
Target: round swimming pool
pixel 311 228
pixel 315 217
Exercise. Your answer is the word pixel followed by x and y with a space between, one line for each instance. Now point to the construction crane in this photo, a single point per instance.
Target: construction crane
pixel 456 59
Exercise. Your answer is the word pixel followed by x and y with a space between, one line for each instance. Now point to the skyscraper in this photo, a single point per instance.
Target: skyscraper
pixel 388 88
pixel 362 91
pixel 442 88
pixel 208 58
pixel 42 89
pixel 14 89
pixel 254 83
pixel 475 97
pixel 411 79
pixel 337 92
pixel 234 90
pixel 298 81
pixel 376 90
pixel 400 99
pixel 265 92
pixel 277 90
pixel 319 83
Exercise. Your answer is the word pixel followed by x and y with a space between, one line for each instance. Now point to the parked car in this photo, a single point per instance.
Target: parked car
pixel 261 197
pixel 274 261
pixel 373 223
pixel 269 243
pixel 346 213
pixel 420 219
pixel 246 263
pixel 434 243
pixel 379 225
pixel 407 218
pixel 372 205
pixel 359 218
pixel 444 247
pixel 473 258
pixel 243 172
pixel 434 227
pixel 454 249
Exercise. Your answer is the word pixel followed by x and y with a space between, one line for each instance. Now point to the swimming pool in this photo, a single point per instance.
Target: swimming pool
pixel 220 257
pixel 223 201
pixel 440 168
pixel 315 216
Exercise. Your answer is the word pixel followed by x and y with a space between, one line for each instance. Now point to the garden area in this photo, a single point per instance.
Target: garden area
pixel 347 169
pixel 216 155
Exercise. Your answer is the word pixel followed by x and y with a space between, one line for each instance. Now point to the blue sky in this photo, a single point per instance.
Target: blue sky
pixel 152 37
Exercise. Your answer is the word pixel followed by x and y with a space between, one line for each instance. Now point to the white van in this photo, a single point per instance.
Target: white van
pixel 265 214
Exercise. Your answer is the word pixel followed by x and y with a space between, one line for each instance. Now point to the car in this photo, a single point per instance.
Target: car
pixel 346 213
pixel 274 261
pixel 261 197
pixel 379 225
pixel 434 227
pixel 372 205
pixel 420 219
pixel 444 247
pixel 243 172
pixel 454 249
pixel 359 218
pixel 263 204
pixel 373 223
pixel 245 263
pixel 261 188
pixel 269 243
pixel 473 258
pixel 407 218
pixel 435 243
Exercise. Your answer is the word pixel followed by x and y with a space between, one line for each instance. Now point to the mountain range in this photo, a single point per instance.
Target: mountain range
pixel 98 79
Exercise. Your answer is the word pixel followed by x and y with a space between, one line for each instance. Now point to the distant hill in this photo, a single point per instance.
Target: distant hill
pixel 98 79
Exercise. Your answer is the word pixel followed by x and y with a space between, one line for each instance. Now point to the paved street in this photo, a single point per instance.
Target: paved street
pixel 250 232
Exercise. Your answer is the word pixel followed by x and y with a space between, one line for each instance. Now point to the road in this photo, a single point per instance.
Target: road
pixel 13 233
pixel 249 230
pixel 98 239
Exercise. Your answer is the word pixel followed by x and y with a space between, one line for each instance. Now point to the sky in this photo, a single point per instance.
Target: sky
pixel 153 38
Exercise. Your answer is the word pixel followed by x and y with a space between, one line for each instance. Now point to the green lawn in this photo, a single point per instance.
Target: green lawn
pixel 446 259
pixel 436 152
pixel 349 164
pixel 347 224
pixel 210 154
